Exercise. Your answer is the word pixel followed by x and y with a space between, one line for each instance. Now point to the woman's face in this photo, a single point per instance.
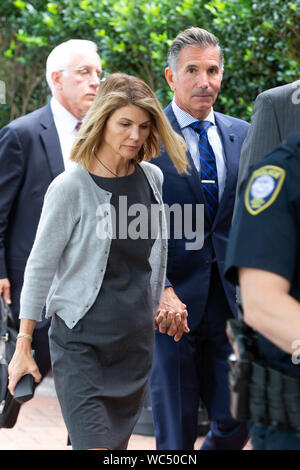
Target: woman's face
pixel 125 132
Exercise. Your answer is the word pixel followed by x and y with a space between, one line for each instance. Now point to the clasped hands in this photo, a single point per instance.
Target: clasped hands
pixel 171 317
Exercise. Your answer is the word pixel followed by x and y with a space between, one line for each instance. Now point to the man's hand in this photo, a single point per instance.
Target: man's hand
pixel 172 315
pixel 5 290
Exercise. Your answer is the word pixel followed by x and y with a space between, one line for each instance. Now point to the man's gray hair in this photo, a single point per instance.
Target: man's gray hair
pixel 192 37
pixel 60 57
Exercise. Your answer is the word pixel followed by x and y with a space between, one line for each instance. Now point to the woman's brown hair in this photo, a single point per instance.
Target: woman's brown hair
pixel 117 91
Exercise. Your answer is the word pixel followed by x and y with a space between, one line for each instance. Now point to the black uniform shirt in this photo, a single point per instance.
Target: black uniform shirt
pixel 265 231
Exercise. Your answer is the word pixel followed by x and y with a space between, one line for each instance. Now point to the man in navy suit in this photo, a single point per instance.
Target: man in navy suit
pixel 34 149
pixel 196 367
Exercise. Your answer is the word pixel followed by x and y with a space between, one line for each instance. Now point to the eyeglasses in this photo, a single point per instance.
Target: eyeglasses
pixel 88 73
pixel 104 75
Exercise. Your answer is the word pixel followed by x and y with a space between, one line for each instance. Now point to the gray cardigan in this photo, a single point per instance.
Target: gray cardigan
pixel 67 263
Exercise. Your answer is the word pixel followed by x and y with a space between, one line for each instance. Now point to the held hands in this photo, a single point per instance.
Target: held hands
pixel 172 315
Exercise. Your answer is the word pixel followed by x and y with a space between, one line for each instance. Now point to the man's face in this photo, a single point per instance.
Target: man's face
pixel 198 80
pixel 76 87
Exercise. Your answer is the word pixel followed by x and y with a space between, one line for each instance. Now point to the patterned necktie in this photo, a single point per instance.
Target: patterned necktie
pixel 209 174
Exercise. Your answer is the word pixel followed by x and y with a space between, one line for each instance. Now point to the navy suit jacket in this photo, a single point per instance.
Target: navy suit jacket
pixel 189 270
pixel 30 158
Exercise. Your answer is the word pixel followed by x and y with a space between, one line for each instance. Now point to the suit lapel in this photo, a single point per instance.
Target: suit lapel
pixel 50 139
pixel 231 148
pixel 193 176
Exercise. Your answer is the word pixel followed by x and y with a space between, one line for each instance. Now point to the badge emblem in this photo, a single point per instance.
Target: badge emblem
pixel 263 188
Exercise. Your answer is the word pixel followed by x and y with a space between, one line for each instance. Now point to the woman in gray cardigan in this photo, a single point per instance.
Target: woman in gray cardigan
pixel 98 262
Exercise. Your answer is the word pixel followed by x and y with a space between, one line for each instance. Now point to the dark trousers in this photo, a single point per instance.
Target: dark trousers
pixel 196 367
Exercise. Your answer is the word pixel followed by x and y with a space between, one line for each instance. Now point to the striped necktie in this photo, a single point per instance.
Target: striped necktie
pixel 208 166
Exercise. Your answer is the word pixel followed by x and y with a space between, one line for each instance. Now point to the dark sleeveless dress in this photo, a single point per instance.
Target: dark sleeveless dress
pixel 101 366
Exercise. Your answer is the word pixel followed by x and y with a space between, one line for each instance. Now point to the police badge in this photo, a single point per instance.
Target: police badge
pixel 263 188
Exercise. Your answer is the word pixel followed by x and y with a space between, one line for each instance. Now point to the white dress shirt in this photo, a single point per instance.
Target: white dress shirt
pixel 65 124
pixel 191 137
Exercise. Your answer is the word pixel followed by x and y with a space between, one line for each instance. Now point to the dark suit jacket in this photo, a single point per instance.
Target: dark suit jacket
pixel 276 114
pixel 189 270
pixel 30 158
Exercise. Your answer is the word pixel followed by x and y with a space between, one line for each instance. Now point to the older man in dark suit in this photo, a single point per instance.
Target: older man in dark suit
pixel 196 367
pixel 34 149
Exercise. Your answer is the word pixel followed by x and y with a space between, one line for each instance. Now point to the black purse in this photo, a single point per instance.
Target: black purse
pixel 9 408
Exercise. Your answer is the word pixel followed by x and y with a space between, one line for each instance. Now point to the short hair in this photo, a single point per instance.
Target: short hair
pixel 60 57
pixel 117 91
pixel 192 37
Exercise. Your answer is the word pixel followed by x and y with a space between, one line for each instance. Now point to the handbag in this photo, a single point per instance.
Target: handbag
pixel 9 408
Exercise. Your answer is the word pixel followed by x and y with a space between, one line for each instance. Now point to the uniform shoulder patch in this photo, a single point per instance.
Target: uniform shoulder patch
pixel 263 188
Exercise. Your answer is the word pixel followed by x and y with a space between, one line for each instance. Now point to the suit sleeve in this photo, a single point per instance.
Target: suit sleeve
pixel 263 136
pixel 11 174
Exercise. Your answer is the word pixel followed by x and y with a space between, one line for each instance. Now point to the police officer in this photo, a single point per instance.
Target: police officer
pixel 263 256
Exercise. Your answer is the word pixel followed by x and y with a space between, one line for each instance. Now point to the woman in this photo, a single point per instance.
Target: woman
pixel 102 283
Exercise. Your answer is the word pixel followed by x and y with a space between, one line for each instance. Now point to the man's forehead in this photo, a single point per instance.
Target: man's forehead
pixel 193 55
pixel 82 60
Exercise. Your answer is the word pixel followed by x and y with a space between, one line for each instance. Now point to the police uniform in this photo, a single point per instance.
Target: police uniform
pixel 265 235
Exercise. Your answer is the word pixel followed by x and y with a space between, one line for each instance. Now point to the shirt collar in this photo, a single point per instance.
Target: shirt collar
pixel 62 115
pixel 185 119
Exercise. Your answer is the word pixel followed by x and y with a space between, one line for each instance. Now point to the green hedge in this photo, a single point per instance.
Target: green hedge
pixel 260 41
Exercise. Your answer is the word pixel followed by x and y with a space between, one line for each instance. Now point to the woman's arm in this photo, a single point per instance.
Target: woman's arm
pixel 22 361
pixel 54 231
pixel 53 234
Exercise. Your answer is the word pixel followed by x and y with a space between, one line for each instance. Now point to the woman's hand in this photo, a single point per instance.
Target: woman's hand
pixel 172 315
pixel 22 363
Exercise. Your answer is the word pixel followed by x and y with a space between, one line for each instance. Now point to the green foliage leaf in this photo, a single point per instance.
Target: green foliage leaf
pixel 20 4
pixel 260 40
